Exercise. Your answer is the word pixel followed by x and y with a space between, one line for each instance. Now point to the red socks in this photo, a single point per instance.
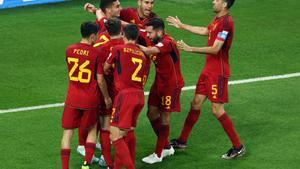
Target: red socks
pixel 156 126
pixel 122 154
pixel 65 156
pixel 106 147
pixel 89 152
pixel 131 143
pixel 82 135
pixel 190 121
pixel 162 139
pixel 229 129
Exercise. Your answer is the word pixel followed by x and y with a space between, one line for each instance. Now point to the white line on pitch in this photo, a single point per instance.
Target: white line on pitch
pixel 235 82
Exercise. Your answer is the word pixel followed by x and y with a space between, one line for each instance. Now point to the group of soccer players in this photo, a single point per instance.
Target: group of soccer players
pixel 109 67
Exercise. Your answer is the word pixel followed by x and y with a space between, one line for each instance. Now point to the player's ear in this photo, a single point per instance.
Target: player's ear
pixel 225 4
pixel 139 2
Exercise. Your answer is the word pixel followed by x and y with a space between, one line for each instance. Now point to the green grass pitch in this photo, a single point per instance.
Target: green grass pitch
pixel 266 114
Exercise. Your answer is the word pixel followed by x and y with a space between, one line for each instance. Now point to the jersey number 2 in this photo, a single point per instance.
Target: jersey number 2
pixel 134 76
pixel 82 70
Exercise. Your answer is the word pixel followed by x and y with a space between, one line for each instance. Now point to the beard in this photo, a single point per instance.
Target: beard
pixel 156 40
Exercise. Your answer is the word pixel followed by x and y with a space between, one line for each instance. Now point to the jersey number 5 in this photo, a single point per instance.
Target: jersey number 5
pixel 82 70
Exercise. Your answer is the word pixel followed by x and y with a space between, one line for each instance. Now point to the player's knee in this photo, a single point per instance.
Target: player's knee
pixel 152 115
pixel 217 110
pixel 165 118
pixel 196 104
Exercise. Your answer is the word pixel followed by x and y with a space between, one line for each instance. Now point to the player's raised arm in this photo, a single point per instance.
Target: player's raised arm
pixel 203 50
pixel 175 21
pixel 90 8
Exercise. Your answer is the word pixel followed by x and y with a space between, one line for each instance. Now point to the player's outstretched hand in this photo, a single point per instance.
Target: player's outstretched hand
pixel 108 102
pixel 182 45
pixel 174 21
pixel 89 8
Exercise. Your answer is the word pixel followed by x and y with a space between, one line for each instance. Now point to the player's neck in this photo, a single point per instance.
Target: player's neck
pixel 85 41
pixel 116 37
pixel 129 42
pixel 140 13
pixel 222 13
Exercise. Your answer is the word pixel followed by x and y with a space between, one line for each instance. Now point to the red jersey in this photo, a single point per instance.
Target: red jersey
pixel 167 64
pixel 131 15
pixel 221 28
pixel 103 53
pixel 83 91
pixel 130 66
pixel 101 24
pixel 102 38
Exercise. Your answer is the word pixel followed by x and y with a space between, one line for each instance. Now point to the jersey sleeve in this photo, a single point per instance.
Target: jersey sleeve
pixel 164 47
pixel 125 15
pixel 112 56
pixel 101 24
pixel 224 30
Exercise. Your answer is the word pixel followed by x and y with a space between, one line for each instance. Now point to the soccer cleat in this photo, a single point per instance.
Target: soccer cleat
pixel 85 165
pixel 168 152
pixel 177 144
pixel 234 153
pixel 102 162
pixel 98 146
pixel 152 158
pixel 81 150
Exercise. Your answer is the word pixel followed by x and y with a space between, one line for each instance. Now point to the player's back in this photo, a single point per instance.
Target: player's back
pixel 130 67
pixel 103 53
pixel 83 89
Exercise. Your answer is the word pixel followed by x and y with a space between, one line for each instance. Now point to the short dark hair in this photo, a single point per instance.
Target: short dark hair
pixel 131 32
pixel 113 26
pixel 105 4
pixel 156 23
pixel 88 28
pixel 229 3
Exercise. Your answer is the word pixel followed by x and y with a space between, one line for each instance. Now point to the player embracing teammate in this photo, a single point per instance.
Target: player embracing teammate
pixel 115 68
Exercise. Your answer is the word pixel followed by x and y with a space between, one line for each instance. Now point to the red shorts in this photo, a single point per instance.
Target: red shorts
pixel 103 111
pixel 166 99
pixel 73 117
pixel 215 87
pixel 127 107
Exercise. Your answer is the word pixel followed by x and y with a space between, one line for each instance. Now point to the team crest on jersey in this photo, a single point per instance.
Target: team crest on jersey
pixel 159 44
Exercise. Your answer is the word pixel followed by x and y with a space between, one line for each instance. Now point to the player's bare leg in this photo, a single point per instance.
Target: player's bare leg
pixel 122 154
pixel 105 142
pixel 238 149
pixel 190 121
pixel 65 147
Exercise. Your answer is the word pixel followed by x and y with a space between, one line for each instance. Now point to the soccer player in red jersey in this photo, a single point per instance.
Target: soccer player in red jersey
pixel 113 27
pixel 140 16
pixel 129 78
pixel 82 100
pixel 111 8
pixel 213 81
pixel 164 96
